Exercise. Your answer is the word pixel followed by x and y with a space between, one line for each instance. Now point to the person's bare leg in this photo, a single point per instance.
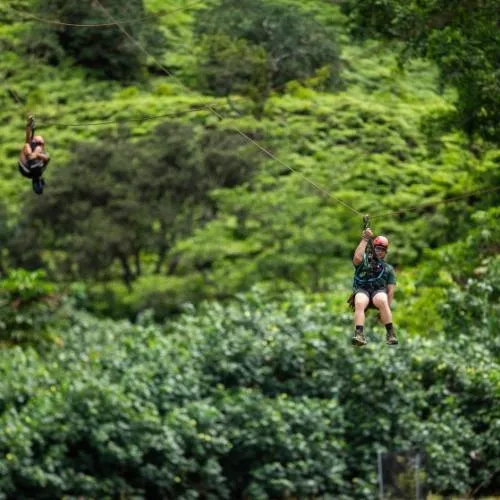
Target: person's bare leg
pixel 381 302
pixel 361 302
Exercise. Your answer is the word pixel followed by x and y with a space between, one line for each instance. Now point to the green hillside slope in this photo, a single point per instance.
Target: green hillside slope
pixel 369 145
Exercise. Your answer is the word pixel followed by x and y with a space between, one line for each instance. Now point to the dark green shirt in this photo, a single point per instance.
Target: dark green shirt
pixel 368 279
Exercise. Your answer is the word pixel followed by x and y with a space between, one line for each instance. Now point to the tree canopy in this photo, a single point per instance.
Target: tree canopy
pixel 254 46
pixel 106 51
pixel 461 37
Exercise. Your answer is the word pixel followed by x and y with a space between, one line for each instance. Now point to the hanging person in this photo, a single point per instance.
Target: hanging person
pixel 33 159
pixel 374 283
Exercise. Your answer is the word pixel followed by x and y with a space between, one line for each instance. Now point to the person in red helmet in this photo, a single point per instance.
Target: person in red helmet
pixel 374 283
pixel 33 160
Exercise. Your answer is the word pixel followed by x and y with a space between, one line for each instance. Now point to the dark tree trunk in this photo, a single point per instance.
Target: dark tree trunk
pixel 162 253
pixel 127 272
pixel 172 266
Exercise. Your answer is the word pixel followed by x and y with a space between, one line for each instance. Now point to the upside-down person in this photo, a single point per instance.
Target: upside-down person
pixel 33 159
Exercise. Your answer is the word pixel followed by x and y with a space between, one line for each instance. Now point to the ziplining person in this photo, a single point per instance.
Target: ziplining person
pixel 373 285
pixel 33 159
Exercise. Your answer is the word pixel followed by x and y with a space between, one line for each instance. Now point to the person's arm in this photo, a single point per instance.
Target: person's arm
pixel 37 154
pixel 42 156
pixel 390 293
pixel 28 152
pixel 391 284
pixel 29 130
pixel 360 249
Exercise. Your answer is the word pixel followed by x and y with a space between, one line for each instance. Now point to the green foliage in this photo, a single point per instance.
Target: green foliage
pixel 273 42
pixel 454 281
pixel 260 396
pixel 299 437
pixel 462 38
pixel 227 67
pixel 107 51
pixel 471 255
pixel 251 399
pixel 27 302
pixel 155 295
pixel 4 235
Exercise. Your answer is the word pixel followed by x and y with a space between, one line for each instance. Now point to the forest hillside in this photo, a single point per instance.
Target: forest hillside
pixel 173 313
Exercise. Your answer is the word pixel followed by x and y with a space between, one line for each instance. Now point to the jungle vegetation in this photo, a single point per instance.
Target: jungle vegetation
pixel 173 318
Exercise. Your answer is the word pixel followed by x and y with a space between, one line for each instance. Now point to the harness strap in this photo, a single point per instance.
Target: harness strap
pixel 359 281
pixel 376 268
pixel 24 167
pixel 370 250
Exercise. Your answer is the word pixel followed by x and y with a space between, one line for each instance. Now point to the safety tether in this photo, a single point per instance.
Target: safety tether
pixel 375 266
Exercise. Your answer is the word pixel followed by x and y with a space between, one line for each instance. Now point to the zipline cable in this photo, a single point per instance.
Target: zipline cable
pixel 422 205
pixel 108 122
pixel 240 132
pixel 102 25
pixel 275 158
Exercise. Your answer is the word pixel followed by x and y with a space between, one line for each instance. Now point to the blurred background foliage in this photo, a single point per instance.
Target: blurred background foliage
pixel 172 309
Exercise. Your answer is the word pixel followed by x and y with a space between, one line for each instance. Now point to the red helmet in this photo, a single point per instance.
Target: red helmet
pixel 381 241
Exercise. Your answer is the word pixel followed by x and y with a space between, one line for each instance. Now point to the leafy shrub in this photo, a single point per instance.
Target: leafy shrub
pixel 26 303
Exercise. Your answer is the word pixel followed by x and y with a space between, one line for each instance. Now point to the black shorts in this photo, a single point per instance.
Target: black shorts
pixel 32 170
pixel 370 294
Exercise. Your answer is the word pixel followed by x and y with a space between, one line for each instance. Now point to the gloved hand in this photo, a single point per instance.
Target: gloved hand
pixel 31 121
pixel 367 234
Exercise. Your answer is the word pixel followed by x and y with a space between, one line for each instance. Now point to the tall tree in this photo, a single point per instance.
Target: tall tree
pixel 462 37
pixel 264 43
pixel 106 50
pixel 92 217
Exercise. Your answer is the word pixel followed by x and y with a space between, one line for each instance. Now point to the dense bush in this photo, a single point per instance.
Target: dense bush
pixel 27 302
pixel 252 399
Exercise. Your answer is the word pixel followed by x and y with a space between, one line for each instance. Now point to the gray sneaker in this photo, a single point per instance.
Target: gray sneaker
pixel 359 339
pixel 391 338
